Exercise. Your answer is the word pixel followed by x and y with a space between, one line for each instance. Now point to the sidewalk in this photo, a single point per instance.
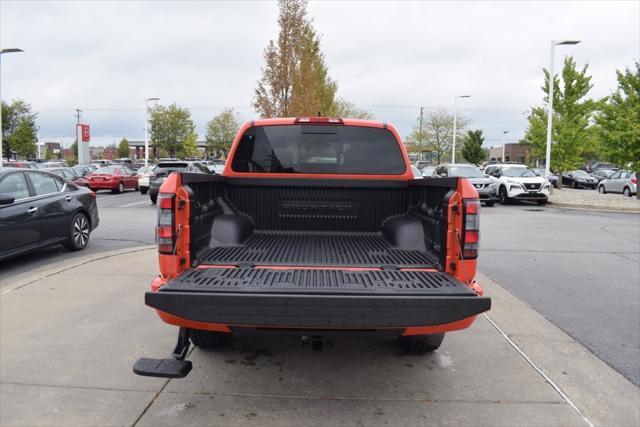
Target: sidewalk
pixel 68 341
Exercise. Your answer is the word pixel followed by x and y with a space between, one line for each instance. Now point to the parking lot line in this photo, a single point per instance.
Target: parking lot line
pixel 146 202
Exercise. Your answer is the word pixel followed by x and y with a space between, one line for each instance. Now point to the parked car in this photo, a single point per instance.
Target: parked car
pixel 39 209
pixel 47 165
pixel 602 174
pixel 83 170
pixel 123 161
pixel 139 164
pixel 116 178
pixel 421 164
pixel 487 188
pixel 553 179
pixel 579 179
pixel 602 165
pixel 99 163
pixel 26 164
pixel 516 181
pixel 70 174
pixel 428 171
pixel 624 182
pixel 144 174
pixel 417 174
pixel 328 247
pixel 163 169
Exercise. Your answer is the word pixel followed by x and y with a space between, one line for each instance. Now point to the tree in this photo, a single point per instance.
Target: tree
pixel 472 150
pixel 295 79
pixel 346 109
pixel 47 154
pixel 19 130
pixel 123 149
pixel 619 120
pixel 571 119
pixel 221 130
pixel 170 127
pixel 437 132
pixel 189 147
pixel 74 149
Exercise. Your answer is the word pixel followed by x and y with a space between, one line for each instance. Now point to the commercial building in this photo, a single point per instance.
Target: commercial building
pixel 520 153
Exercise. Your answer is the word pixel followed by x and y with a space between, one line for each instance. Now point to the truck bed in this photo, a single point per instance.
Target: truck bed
pixel 339 249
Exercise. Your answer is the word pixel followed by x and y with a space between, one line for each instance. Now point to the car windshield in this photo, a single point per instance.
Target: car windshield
pixel 465 172
pixel 167 168
pixel 107 170
pixel 518 172
pixel 581 174
pixel 318 149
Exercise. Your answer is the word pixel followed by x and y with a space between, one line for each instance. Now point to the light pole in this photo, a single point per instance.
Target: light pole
pixel 504 143
pixel 2 52
pixel 455 119
pixel 146 129
pixel 547 164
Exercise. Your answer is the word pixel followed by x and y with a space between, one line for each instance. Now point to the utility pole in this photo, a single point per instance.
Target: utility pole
pixel 420 137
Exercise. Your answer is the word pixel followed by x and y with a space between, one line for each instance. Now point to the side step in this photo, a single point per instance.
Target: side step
pixel 173 366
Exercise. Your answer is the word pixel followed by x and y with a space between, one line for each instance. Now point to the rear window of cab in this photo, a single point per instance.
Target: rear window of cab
pixel 318 149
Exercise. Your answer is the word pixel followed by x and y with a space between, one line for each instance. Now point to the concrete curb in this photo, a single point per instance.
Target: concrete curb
pixel 591 208
pixel 58 268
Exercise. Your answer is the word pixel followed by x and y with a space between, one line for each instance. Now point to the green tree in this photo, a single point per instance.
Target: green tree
pixel 47 154
pixel 619 120
pixel 472 150
pixel 221 130
pixel 189 147
pixel 74 148
pixel 572 115
pixel 170 127
pixel 123 149
pixel 346 109
pixel 295 79
pixel 19 130
pixel 437 133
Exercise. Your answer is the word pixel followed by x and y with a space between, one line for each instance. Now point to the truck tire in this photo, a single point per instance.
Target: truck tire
pixel 421 343
pixel 209 339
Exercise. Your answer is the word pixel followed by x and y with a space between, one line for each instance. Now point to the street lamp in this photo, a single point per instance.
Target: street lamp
pixel 504 143
pixel 3 51
pixel 547 164
pixel 455 118
pixel 146 129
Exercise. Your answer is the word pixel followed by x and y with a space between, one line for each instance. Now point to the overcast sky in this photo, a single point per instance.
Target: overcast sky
pixel 107 57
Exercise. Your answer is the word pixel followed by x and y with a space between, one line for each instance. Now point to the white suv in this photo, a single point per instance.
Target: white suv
pixel 518 182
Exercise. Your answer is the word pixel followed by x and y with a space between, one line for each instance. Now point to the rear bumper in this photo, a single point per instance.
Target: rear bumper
pixel 97 185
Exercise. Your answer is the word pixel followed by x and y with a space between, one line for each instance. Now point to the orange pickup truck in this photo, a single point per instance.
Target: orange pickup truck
pixel 316 227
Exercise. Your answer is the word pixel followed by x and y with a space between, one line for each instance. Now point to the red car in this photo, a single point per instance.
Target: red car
pixel 116 178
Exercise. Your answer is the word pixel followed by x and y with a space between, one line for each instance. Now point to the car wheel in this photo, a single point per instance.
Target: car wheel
pixel 78 233
pixel 542 202
pixel 502 195
pixel 574 185
pixel 626 191
pixel 602 190
pixel 490 203
pixel 421 343
pixel 209 339
pixel 143 190
pixel 120 188
pixel 154 198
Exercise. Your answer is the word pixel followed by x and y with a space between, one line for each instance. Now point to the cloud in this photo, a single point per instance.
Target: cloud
pixel 391 57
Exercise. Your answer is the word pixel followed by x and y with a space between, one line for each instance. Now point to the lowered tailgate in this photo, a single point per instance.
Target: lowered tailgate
pixel 317 298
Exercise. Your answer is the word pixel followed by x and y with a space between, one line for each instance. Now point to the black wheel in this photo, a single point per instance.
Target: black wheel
pixel 602 190
pixel 626 191
pixel 143 190
pixel 120 188
pixel 542 202
pixel 78 233
pixel 209 339
pixel 421 343
pixel 574 185
pixel 490 203
pixel 502 195
pixel 154 198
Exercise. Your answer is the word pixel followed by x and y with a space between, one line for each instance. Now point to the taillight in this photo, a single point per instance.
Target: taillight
pixel 471 230
pixel 93 194
pixel 323 120
pixel 165 232
pixel 634 180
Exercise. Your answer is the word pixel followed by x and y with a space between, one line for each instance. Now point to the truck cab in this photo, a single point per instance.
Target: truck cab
pixel 315 227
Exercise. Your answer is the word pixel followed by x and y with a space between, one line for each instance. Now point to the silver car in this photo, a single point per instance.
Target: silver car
pixel 487 188
pixel 624 182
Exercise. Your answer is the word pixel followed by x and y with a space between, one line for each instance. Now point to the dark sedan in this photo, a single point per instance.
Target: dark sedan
pixel 602 174
pixel 71 174
pixel 579 179
pixel 39 209
pixel 553 179
pixel 163 169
